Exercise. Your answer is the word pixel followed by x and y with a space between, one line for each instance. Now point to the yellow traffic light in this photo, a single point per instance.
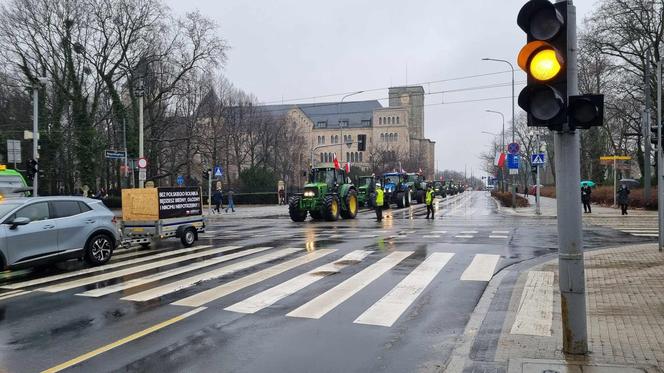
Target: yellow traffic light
pixel 544 65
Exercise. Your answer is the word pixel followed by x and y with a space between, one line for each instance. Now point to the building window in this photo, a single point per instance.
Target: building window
pixel 360 156
pixel 380 120
pixel 396 137
pixel 321 124
pixel 344 123
pixel 347 156
pixel 397 120
pixel 321 157
pixel 366 122
pixel 391 137
pixel 382 137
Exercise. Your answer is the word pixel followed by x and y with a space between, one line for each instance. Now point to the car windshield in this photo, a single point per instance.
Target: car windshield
pixel 9 183
pixel 6 207
pixel 322 176
pixel 365 181
pixel 394 179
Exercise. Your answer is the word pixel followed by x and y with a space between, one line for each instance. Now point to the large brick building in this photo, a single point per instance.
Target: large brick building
pixel 392 134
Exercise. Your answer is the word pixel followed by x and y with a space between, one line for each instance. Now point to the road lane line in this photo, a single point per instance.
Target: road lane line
pixel 132 270
pixel 79 272
pixel 500 232
pixel 120 342
pixel 210 295
pixel 13 294
pixel 276 293
pixel 497 236
pixel 389 308
pixel 431 236
pixel 210 275
pixel 535 313
pixel 463 236
pixel 469 232
pixel 645 234
pixel 327 301
pixel 481 268
pixel 170 273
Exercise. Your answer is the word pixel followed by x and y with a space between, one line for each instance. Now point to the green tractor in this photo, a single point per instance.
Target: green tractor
pixel 366 189
pixel 327 195
pixel 418 187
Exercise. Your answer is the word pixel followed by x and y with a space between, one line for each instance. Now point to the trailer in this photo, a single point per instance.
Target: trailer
pixel 152 214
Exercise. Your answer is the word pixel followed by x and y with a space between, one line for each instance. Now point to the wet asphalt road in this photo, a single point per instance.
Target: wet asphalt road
pixel 409 314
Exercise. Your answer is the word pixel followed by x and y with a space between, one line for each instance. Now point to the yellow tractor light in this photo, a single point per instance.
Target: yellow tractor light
pixel 3 167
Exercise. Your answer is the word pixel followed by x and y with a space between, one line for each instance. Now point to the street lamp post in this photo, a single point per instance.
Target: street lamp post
pixel 513 124
pixel 35 132
pixel 341 129
pixel 141 172
pixel 502 147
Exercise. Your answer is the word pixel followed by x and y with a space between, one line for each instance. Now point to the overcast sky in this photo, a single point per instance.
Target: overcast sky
pixel 289 49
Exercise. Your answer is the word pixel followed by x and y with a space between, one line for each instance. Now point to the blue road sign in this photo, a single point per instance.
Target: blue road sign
pixel 218 171
pixel 180 180
pixel 513 148
pixel 513 162
pixel 537 158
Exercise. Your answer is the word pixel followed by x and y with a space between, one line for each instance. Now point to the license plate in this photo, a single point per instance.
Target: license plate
pixel 138 230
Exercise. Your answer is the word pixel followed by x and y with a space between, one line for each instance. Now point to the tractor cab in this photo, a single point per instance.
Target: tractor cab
pixel 396 189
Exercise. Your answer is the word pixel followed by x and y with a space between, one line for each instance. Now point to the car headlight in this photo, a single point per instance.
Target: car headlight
pixel 309 193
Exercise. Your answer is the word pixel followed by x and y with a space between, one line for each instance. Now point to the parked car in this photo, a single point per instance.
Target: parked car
pixel 43 230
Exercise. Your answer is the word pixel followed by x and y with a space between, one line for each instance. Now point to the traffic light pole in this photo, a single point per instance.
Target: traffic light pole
pixel 660 159
pixel 568 195
pixel 209 172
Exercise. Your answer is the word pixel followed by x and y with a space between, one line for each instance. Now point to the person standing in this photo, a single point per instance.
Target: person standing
pixel 216 200
pixel 231 204
pixel 623 198
pixel 282 197
pixel 586 191
pixel 429 202
pixel 378 205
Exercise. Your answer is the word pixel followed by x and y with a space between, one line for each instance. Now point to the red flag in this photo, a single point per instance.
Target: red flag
pixel 336 162
pixel 347 167
pixel 500 159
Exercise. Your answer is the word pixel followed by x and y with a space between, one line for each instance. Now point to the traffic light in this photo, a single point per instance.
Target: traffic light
pixel 32 168
pixel 207 173
pixel 586 111
pixel 543 60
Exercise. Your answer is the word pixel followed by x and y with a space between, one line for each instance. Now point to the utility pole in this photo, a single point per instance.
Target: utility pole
pixel 660 159
pixel 35 138
pixel 568 195
pixel 209 172
pixel 646 131
pixel 141 172
pixel 538 210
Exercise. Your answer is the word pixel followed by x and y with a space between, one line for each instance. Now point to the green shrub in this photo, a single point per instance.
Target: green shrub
pixel 505 199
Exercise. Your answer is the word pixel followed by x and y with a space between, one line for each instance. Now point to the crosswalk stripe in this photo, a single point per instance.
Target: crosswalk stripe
pixel 500 232
pixel 468 232
pixel 169 273
pixel 327 301
pixel 13 294
pixel 137 253
pixel 463 236
pixel 132 270
pixel 208 296
pixel 535 313
pixel 210 275
pixel 640 230
pixel 497 236
pixel 389 308
pixel 273 295
pixel 481 268
pixel 646 234
pixel 431 236
pixel 85 271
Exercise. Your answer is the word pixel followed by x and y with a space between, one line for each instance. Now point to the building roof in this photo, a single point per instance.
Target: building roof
pixel 357 113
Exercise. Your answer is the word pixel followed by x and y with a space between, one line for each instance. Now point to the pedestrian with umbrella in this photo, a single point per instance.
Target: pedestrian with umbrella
pixel 623 198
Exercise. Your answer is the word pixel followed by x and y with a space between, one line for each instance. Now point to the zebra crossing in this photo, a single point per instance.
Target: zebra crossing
pixel 166 274
pixel 635 225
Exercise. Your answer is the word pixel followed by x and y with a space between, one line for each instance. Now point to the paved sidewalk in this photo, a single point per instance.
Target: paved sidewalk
pixel 248 211
pixel 548 209
pixel 625 306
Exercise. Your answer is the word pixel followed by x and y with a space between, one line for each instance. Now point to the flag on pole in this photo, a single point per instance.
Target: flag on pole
pixel 500 159
pixel 347 167
pixel 336 162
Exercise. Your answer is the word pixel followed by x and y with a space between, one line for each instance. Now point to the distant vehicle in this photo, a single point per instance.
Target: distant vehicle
pixel 366 189
pixel 417 185
pixel 41 230
pixel 327 195
pixel 396 190
pixel 11 183
pixel 439 189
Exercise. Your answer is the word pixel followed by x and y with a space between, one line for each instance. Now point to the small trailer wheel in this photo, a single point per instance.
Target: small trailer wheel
pixel 189 237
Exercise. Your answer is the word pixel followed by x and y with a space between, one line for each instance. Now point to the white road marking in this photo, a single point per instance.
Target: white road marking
pixel 389 308
pixel 481 268
pixel 131 270
pixel 12 294
pixel 170 273
pixel 441 232
pixel 44 280
pixel 368 236
pixel 500 232
pixel 497 236
pixel 327 301
pixel 646 234
pixel 193 280
pixel 273 295
pixel 431 236
pixel 463 236
pixel 208 296
pixel 468 232
pixel 114 258
pixel 535 313
pixel 654 230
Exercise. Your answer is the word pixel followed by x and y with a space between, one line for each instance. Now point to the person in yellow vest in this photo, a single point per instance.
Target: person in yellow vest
pixel 378 206
pixel 429 201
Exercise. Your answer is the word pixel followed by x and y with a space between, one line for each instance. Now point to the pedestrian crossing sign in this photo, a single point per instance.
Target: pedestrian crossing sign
pixel 537 158
pixel 218 172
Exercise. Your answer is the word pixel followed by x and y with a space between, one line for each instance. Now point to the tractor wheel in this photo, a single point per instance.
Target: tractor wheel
pixel 408 198
pixel 351 206
pixel 296 214
pixel 315 214
pixel 420 196
pixel 401 200
pixel 331 208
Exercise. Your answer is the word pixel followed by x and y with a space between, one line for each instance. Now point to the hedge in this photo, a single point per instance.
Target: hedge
pixel 505 199
pixel 603 195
